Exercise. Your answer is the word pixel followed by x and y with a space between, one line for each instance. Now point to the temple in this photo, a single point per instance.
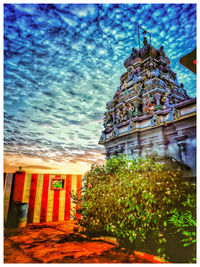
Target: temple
pixel 150 113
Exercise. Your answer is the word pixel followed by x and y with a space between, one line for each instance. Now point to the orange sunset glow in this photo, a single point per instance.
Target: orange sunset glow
pixel 41 165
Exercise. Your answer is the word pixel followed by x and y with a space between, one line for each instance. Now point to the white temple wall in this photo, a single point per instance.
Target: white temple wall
pixel 177 140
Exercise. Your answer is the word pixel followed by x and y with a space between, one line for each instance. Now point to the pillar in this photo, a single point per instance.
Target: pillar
pixel 182 150
pixel 18 189
pixel 136 105
pixel 181 141
pixel 158 105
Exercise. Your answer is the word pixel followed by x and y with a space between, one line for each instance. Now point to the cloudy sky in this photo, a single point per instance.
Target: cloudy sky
pixel 63 62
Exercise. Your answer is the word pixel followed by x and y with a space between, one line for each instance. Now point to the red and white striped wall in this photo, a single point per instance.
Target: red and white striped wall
pixel 8 180
pixel 45 204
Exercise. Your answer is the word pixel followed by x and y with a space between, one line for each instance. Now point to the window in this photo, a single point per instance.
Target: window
pixel 57 183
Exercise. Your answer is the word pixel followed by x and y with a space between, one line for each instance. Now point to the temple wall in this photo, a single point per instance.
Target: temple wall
pixel 176 139
pixel 45 203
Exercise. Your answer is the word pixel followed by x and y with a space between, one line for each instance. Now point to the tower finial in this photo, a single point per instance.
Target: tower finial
pixel 144 32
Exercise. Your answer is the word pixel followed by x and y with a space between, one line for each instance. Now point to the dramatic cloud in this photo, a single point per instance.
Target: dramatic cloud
pixel 63 63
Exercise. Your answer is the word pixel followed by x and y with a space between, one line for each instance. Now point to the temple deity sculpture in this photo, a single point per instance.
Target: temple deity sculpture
pixel 151 65
pixel 148 106
pixel 162 54
pixel 116 131
pixel 113 116
pixel 108 121
pixel 130 75
pixel 124 112
pixel 134 53
pixel 165 101
pixel 117 93
pixel 182 89
pixel 138 70
pixel 161 51
pixel 131 126
pixel 104 123
pixel 117 115
pixel 147 73
pixel 138 88
pixel 130 110
pixel 155 120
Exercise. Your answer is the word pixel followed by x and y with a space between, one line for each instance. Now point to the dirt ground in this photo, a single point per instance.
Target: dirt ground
pixel 58 243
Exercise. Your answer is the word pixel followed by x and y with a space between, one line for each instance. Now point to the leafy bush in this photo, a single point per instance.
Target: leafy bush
pixel 145 203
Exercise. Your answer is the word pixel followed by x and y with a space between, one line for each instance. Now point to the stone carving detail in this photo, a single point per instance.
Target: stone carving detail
pixel 165 101
pixel 148 87
pixel 115 132
pixel 174 114
pixel 162 54
pixel 130 110
pixel 131 126
pixel 155 121
pixel 148 106
pixel 102 138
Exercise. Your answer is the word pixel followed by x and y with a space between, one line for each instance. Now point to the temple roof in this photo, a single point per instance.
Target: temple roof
pixel 144 52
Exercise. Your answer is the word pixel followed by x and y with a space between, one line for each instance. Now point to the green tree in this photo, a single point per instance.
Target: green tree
pixel 145 203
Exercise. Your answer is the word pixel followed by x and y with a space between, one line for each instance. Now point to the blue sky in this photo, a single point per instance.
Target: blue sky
pixel 63 62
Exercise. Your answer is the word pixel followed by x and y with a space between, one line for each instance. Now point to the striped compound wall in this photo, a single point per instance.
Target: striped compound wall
pixel 46 203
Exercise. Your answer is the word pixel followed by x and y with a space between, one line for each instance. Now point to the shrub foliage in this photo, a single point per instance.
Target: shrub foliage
pixel 145 203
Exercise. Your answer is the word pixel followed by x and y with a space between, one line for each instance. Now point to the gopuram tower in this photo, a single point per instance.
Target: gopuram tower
pixel 150 112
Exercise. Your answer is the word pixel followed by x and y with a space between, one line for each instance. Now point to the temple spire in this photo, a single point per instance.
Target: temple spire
pixel 148 96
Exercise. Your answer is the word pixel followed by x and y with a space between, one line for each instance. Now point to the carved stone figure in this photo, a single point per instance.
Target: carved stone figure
pixel 103 137
pixel 162 54
pixel 130 110
pixel 138 88
pixel 121 117
pixel 112 134
pixel 148 107
pixel 155 121
pixel 118 116
pixel 113 116
pixel 135 79
pixel 117 93
pixel 134 53
pixel 148 73
pixel 161 68
pixel 129 76
pixel 145 42
pixel 104 122
pixel 138 70
pixel 133 56
pixel 116 131
pixel 124 112
pixel 151 65
pixel 165 101
pixel 131 126
pixel 107 121
pixel 174 114
pixel 135 88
